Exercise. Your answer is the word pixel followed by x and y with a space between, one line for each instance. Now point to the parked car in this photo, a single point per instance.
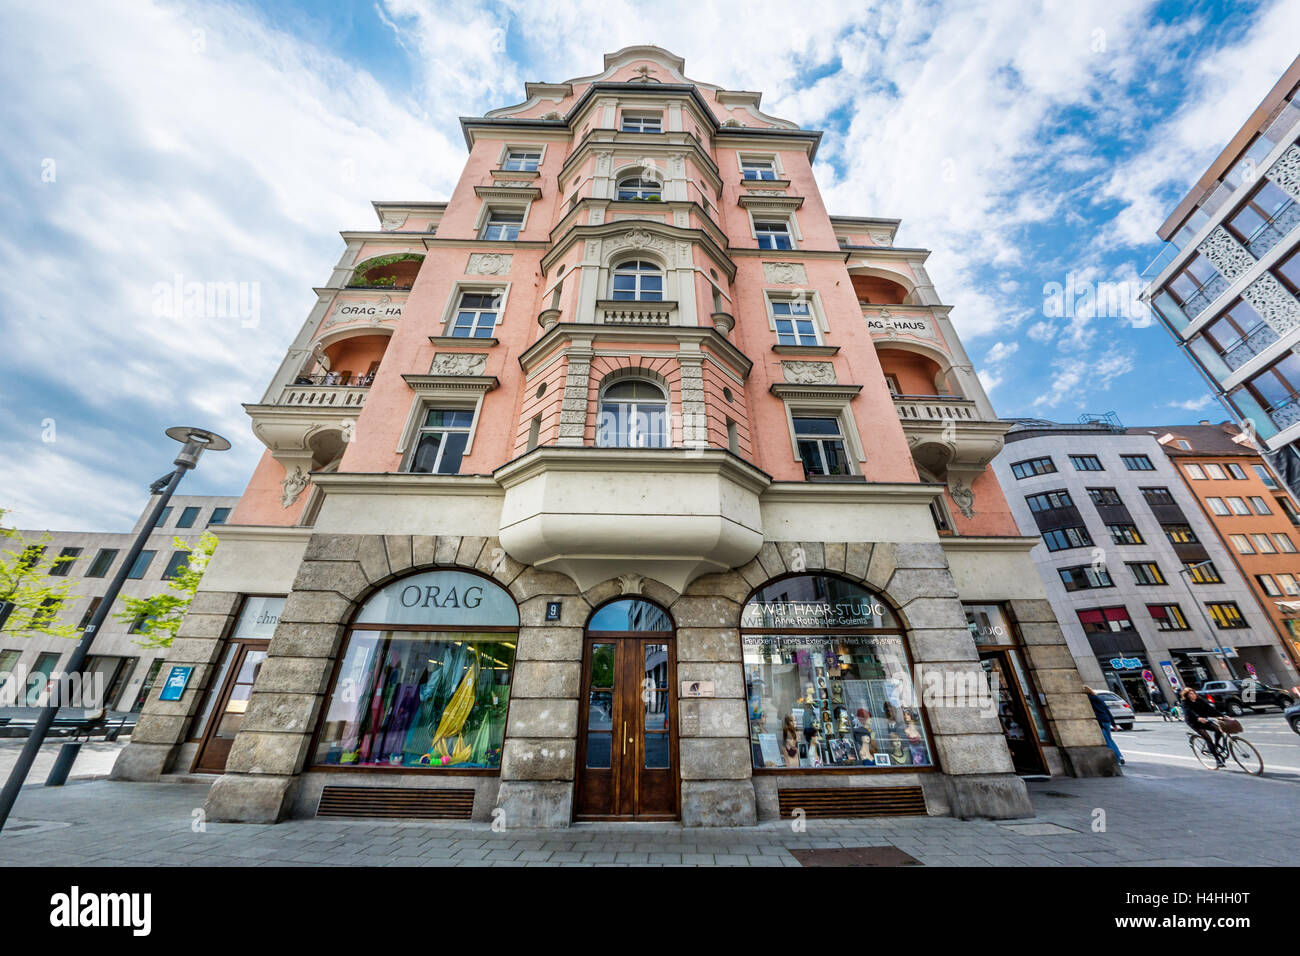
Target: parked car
pixel 1119 709
pixel 1238 696
pixel 1292 715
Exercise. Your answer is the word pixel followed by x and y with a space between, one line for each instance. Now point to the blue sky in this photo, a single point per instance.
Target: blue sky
pixel 229 142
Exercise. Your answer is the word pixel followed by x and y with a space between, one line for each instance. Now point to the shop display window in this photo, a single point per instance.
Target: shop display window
pixel 827 678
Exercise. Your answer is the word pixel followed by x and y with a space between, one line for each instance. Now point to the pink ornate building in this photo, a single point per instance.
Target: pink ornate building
pixel 629 482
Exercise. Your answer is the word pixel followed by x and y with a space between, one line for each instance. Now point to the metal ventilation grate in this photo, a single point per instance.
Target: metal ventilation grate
pixel 403 802
pixel 854 802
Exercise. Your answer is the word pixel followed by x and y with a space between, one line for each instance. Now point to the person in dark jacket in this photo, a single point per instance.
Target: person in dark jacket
pixel 1202 717
pixel 1107 721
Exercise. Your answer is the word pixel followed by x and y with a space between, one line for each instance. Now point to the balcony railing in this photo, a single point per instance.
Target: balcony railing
pixel 1286 413
pixel 1270 233
pixel 328 390
pixel 934 408
pixel 1203 296
pixel 1255 342
pixel 635 312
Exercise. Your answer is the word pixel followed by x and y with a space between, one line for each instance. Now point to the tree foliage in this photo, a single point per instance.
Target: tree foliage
pixel 161 614
pixel 30 597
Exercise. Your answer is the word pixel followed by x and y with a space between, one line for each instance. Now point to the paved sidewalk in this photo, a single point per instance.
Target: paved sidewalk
pixel 1157 815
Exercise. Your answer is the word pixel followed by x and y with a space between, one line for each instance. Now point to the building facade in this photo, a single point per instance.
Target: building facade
pixel 1146 593
pixel 1252 512
pixel 627 483
pixel 1227 284
pixel 127 669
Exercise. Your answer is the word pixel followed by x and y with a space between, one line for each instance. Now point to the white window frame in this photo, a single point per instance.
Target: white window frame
pixel 1194 471
pixel 820 323
pixel 640 115
pixel 1215 471
pixel 482 288
pixel 1236 471
pixel 1263 544
pixel 640 177
pixel 1288 584
pixel 1284 543
pixel 1270 586
pixel 1241 543
pixel 508 148
pixel 420 407
pixel 666 401
pixel 826 408
pixel 751 159
pixel 486 215
pixel 1261 507
pixel 660 271
pixel 1238 506
pixel 456 311
pixel 1214 509
pixel 790 228
pixel 773 319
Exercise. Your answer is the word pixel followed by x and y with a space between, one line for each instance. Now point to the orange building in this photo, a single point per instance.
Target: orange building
pixel 1250 509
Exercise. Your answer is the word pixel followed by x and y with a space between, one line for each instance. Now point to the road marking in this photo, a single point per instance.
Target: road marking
pixel 1144 753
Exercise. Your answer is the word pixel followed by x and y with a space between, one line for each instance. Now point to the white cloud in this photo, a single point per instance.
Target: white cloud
pixel 1194 404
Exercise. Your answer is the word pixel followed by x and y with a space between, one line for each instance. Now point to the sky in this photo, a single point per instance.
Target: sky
pixel 1034 147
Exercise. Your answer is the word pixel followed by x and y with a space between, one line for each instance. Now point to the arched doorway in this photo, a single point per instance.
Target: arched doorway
pixel 627 739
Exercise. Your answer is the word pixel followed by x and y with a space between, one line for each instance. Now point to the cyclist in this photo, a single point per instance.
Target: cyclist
pixel 1201 716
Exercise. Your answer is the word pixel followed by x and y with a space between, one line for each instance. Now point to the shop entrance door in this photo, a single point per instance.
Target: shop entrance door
pixel 1009 697
pixel 231 701
pixel 627 740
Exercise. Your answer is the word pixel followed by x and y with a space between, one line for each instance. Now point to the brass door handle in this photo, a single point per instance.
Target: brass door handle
pixel 626 739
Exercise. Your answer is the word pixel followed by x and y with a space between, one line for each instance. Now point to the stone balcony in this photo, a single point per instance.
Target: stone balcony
pixel 596 513
pixel 635 312
pixel 934 408
pixel 950 440
pixel 321 392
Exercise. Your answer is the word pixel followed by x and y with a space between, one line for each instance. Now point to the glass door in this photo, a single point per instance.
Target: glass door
pixel 627 764
pixel 231 703
pixel 1013 714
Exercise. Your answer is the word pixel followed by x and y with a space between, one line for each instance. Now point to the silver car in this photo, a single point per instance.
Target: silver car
pixel 1119 709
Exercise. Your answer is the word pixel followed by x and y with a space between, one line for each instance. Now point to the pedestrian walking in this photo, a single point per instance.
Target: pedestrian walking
pixel 1107 721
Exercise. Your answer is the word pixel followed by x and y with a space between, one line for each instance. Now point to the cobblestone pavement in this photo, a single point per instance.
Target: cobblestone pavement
pixel 1161 813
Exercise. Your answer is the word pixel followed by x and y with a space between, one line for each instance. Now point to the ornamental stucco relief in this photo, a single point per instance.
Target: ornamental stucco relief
pixel 458 363
pixel 1225 253
pixel 641 239
pixel 295 482
pixel 809 373
pixel 1275 304
pixel 489 264
pixel 1286 171
pixel 392 220
pixel 785 273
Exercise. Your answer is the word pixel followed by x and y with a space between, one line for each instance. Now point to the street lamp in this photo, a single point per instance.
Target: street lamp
pixel 195 442
pixel 1209 629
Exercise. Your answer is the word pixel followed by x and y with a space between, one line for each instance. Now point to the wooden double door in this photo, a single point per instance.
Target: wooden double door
pixel 627 741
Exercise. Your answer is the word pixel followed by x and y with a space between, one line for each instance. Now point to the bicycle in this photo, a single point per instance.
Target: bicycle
pixel 1241 750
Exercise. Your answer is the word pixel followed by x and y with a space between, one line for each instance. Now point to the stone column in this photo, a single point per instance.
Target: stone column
pixel 539 760
pixel 164 725
pixel 968 743
pixel 713 733
pixel 1069 715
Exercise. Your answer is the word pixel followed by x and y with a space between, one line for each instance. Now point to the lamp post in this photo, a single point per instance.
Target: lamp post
pixel 1209 628
pixel 196 441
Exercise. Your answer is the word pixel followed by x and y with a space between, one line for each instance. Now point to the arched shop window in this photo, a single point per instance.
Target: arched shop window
pixel 423 681
pixel 828 679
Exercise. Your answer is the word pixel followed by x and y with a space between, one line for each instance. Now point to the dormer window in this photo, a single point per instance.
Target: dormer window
pixel 634 188
pixel 637 280
pixel 522 160
pixel 642 123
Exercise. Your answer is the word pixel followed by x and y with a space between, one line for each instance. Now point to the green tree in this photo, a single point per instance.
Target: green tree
pixel 30 597
pixel 160 614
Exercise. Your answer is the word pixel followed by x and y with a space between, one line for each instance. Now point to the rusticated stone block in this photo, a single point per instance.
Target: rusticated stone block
pixel 728 678
pixel 835 555
pixel 315 607
pixel 973 753
pixel 470 548
pixel 574 612
pixel 927 612
pixel 193 650
pixel 729 585
pixel 990 797
pixel 754 573
pixel 534 804
pixel 706 612
pixel 1049 633
pixel 881 567
pixel 493 560
pixel 1098 761
pixel 372 556
pixel 920 554
pixel 532 583
pixel 550 644
pixel 551 679
pixel 1059 682
pixel 398 547
pixel 802 556
pixel 770 558
pixel 908 584
pixel 1071 707
pixel 543 718
pixel 952 719
pixel 714 717
pixel 345 577
pixel 204 626
pixel 1033 611
pixel 332 547
pixel 941 644
pixel 243 798
pixel 293 675
pixel 857 559
pixel 715 758
pixel 306 640
pixel 718 803
pixel 1078 733
pixel 444 552
pixel 267 753
pixel 708 644
pixel 214 602
pixel 141 762
pixel 1050 656
pixel 281 713
pixel 551 758
pixel 423 548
